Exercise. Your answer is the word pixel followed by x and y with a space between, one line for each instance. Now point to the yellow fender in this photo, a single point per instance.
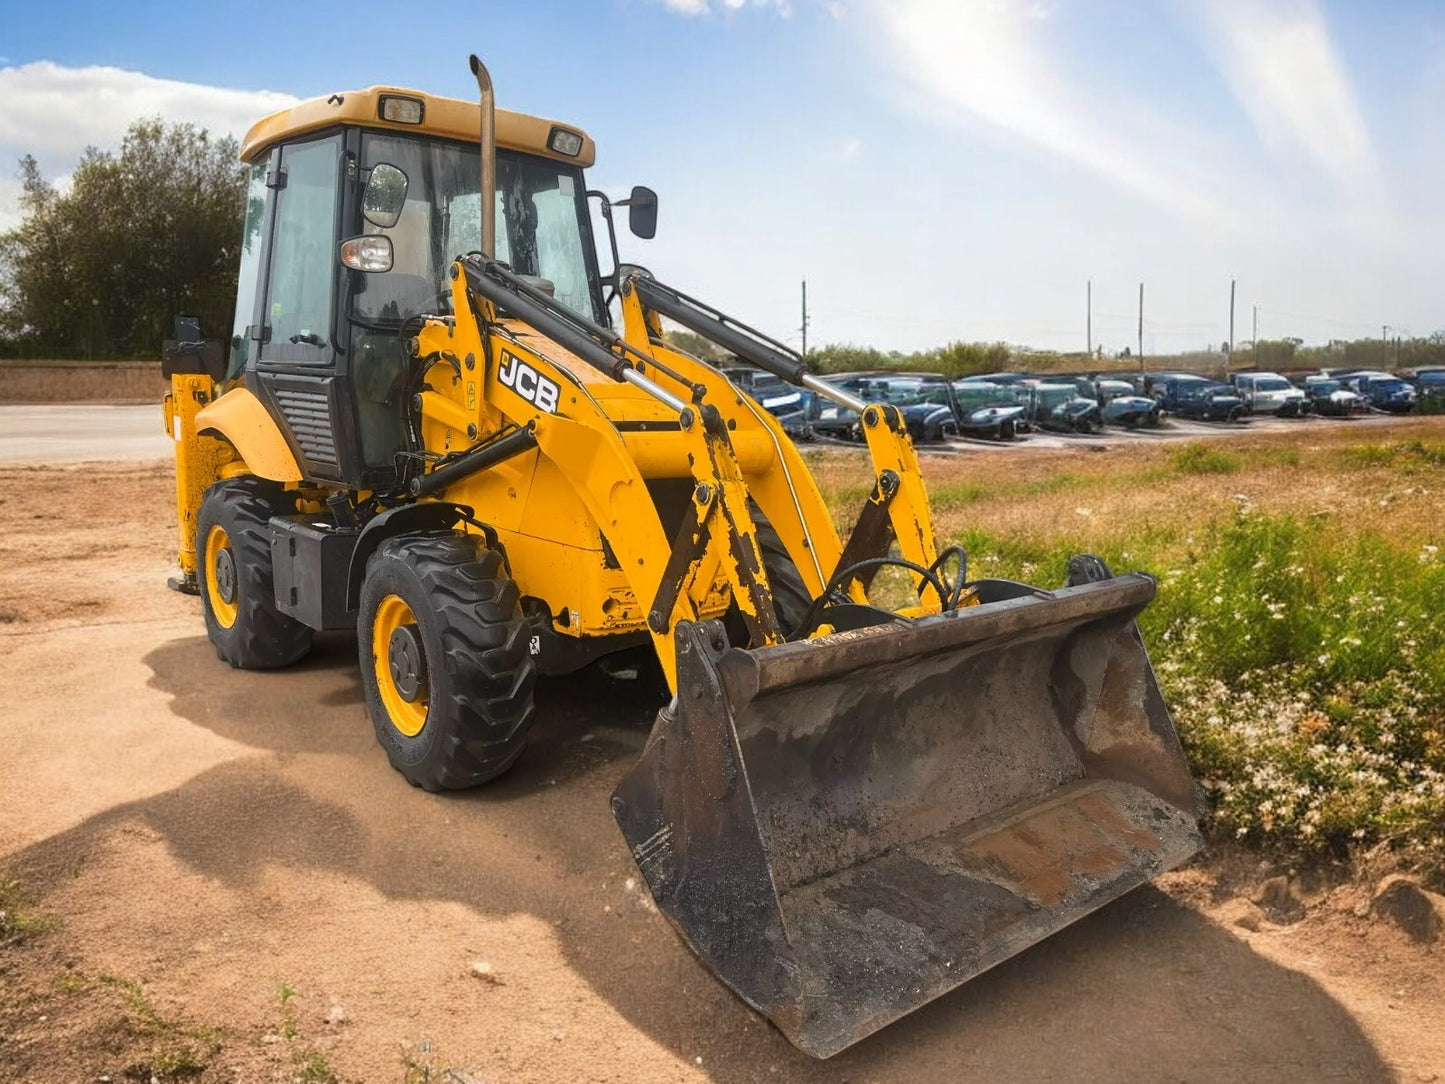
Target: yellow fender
pixel 242 419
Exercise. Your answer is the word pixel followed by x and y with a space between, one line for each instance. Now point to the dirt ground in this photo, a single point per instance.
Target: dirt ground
pixel 239 888
pixel 79 382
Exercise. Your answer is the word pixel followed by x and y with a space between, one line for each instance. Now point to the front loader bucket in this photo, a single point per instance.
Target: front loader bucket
pixel 845 828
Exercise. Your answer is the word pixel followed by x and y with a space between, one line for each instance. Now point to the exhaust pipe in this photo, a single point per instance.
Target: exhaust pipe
pixel 489 157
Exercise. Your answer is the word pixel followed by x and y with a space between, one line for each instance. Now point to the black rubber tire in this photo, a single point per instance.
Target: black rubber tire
pixel 790 596
pixel 479 674
pixel 260 637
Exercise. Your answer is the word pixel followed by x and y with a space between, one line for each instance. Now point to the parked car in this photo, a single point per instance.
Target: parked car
pixel 792 406
pixel 1197 397
pixel 1430 391
pixel 923 398
pixel 1060 407
pixel 1383 391
pixel 926 401
pixel 1269 393
pixel 1155 385
pixel 988 410
pixel 1120 404
pixel 831 420
pixel 1006 379
pixel 1330 398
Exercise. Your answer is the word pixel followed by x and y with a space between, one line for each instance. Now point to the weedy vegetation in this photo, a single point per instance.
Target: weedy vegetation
pixel 311 1064
pixel 19 918
pixel 173 1051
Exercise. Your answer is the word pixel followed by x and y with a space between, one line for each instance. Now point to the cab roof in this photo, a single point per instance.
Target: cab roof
pixel 448 118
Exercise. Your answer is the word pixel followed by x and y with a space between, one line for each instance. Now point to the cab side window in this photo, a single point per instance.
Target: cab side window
pixel 302 275
pixel 250 267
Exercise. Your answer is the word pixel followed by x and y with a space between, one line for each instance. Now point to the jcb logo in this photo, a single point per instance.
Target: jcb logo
pixel 531 385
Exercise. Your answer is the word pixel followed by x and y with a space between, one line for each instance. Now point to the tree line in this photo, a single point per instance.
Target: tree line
pixel 140 235
pixel 957 359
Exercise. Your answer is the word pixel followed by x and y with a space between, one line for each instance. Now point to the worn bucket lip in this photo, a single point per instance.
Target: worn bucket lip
pixel 753 672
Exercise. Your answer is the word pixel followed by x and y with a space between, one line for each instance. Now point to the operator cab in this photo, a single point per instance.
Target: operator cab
pixel 397 172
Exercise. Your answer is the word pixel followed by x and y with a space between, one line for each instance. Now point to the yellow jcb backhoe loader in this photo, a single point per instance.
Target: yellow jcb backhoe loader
pixel 431 429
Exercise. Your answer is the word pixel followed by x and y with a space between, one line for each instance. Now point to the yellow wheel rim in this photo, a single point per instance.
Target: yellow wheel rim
pixel 222 588
pixel 399 665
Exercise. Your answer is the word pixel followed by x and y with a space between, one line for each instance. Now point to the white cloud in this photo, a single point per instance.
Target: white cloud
pixel 55 112
pixel 991 60
pixel 1280 64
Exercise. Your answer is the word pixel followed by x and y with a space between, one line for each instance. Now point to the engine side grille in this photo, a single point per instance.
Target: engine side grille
pixel 307 414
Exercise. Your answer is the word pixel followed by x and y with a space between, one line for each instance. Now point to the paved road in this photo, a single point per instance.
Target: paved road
pixel 74 433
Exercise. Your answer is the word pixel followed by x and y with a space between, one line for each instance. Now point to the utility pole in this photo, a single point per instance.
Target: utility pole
pixel 1254 336
pixel 1141 327
pixel 805 319
pixel 1089 320
pixel 1231 316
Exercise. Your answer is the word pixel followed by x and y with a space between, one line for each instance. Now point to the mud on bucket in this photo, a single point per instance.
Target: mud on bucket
pixel 846 828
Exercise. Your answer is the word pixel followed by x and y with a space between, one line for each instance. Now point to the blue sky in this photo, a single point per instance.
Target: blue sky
pixel 936 169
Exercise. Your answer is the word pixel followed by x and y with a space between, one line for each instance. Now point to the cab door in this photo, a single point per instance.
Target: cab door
pixel 298 354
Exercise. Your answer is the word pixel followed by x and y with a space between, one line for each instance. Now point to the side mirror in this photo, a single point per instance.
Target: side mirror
pixel 642 212
pixel 385 196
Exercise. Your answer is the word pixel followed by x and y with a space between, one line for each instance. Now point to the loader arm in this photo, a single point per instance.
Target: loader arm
pixel 527 384
pixel 898 481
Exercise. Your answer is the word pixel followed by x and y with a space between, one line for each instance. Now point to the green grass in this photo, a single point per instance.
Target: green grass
pixel 311 1064
pixel 1202 459
pixel 954 495
pixel 1407 456
pixel 19 919
pixel 177 1052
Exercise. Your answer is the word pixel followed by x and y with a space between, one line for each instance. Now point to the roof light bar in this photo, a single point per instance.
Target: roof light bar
pixel 564 142
pixel 400 110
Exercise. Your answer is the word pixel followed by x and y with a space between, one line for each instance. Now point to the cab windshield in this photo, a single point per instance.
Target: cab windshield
pixel 542 227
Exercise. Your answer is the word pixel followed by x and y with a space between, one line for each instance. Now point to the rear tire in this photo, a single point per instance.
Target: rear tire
pixel 445 660
pixel 233 572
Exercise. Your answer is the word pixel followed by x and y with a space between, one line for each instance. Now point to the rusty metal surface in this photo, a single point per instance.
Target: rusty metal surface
pixel 846 828
pixel 879 939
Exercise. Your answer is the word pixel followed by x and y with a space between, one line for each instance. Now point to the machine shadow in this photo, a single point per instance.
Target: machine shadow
pixel 611 703
pixel 1145 989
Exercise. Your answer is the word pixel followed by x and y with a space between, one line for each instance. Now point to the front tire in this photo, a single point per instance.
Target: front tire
pixel 233 557
pixel 790 595
pixel 445 663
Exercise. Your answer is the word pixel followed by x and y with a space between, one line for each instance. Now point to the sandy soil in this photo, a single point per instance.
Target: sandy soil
pixel 239 881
